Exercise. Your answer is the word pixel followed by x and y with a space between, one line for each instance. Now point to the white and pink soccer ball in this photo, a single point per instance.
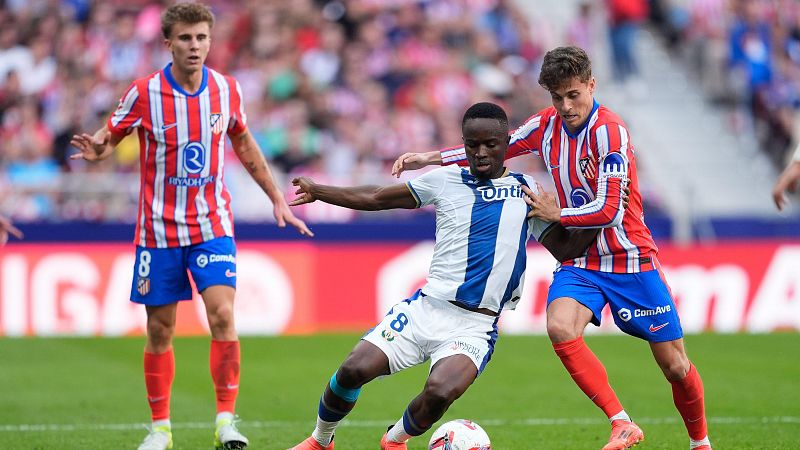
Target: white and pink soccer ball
pixel 460 434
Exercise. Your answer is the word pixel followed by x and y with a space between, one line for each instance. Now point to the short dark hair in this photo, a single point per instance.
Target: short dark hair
pixel 485 110
pixel 190 13
pixel 563 64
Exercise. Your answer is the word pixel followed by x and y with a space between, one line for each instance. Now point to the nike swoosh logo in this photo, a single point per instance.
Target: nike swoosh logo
pixel 693 420
pixel 654 329
pixel 230 274
pixel 233 386
pixel 166 127
pixel 155 399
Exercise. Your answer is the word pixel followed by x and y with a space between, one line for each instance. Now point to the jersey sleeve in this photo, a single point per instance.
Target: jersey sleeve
pixel 238 122
pixel 539 228
pixel 606 210
pixel 525 139
pixel 427 187
pixel 127 116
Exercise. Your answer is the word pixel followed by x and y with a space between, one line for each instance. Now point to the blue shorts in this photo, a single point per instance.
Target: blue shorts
pixel 160 275
pixel 641 303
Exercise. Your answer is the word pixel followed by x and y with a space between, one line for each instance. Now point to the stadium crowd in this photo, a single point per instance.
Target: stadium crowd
pixel 334 89
pixel 747 55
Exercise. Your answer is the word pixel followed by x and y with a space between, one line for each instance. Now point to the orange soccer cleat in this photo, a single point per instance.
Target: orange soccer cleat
pixel 311 444
pixel 390 445
pixel 624 434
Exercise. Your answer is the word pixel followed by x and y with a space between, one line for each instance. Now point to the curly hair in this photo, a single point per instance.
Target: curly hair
pixel 186 13
pixel 563 64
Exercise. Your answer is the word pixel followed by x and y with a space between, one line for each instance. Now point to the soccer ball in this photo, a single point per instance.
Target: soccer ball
pixel 460 434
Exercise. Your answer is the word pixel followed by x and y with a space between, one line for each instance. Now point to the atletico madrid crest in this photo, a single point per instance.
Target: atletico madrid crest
pixel 143 285
pixel 587 168
pixel 216 123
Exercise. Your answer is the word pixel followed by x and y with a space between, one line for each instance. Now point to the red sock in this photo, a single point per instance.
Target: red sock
pixel 589 374
pixel 224 363
pixel 159 371
pixel 688 396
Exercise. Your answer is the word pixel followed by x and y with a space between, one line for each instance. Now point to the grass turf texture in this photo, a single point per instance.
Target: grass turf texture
pixel 89 394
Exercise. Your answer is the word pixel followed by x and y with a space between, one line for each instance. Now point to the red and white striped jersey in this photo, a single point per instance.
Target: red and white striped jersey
pixel 590 169
pixel 182 197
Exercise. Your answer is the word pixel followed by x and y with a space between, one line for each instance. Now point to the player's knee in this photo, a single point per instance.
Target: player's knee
pixel 351 374
pixel 159 335
pixel 440 394
pixel 676 369
pixel 561 330
pixel 220 318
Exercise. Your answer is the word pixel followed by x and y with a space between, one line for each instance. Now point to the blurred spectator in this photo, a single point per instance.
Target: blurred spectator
pixel 333 88
pixel 625 17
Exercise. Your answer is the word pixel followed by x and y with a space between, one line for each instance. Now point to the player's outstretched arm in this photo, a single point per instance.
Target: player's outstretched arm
pixel 364 198
pixel 566 244
pixel 787 182
pixel 249 153
pixel 94 147
pixel 6 228
pixel 414 161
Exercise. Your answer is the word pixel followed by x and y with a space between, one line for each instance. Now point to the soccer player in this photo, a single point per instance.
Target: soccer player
pixel 477 270
pixel 787 181
pixel 6 228
pixel 588 152
pixel 181 114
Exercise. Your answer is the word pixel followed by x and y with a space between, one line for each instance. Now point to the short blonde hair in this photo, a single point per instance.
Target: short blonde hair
pixel 187 13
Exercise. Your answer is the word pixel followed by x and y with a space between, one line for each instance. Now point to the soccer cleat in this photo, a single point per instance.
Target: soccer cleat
pixel 311 444
pixel 624 434
pixel 228 437
pixel 159 438
pixel 386 444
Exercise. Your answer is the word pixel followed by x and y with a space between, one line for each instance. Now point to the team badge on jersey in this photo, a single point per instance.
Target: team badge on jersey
pixel 216 123
pixel 143 285
pixel 587 167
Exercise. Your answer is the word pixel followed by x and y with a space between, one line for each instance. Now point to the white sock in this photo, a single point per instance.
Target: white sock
pixel 323 433
pixel 622 415
pixel 398 433
pixel 226 416
pixel 162 423
pixel 695 444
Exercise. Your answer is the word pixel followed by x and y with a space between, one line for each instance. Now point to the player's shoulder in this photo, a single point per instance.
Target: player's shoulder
pixel 544 114
pixel 230 80
pixel 141 83
pixel 606 116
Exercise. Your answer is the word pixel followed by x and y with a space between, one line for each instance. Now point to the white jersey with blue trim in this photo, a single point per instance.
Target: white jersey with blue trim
pixel 481 231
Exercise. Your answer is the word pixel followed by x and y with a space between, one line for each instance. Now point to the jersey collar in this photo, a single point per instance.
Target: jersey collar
pixel 177 87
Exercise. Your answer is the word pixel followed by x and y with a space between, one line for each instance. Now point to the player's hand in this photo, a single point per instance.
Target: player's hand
pixel 284 215
pixel 6 228
pixel 543 204
pixel 626 197
pixel 92 147
pixel 786 183
pixel 414 161
pixel 304 188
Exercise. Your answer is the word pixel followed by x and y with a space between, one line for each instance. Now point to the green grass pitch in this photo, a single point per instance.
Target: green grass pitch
pixel 89 394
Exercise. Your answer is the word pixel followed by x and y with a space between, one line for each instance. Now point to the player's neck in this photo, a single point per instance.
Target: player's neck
pixel 188 81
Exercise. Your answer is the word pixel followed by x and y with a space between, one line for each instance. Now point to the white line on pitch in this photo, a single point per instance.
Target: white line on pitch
pixel 532 422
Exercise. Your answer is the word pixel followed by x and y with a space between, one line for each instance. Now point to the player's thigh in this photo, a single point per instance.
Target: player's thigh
pixel 396 335
pixel 642 306
pixel 159 276
pixel 213 263
pixel 580 286
pixel 452 375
